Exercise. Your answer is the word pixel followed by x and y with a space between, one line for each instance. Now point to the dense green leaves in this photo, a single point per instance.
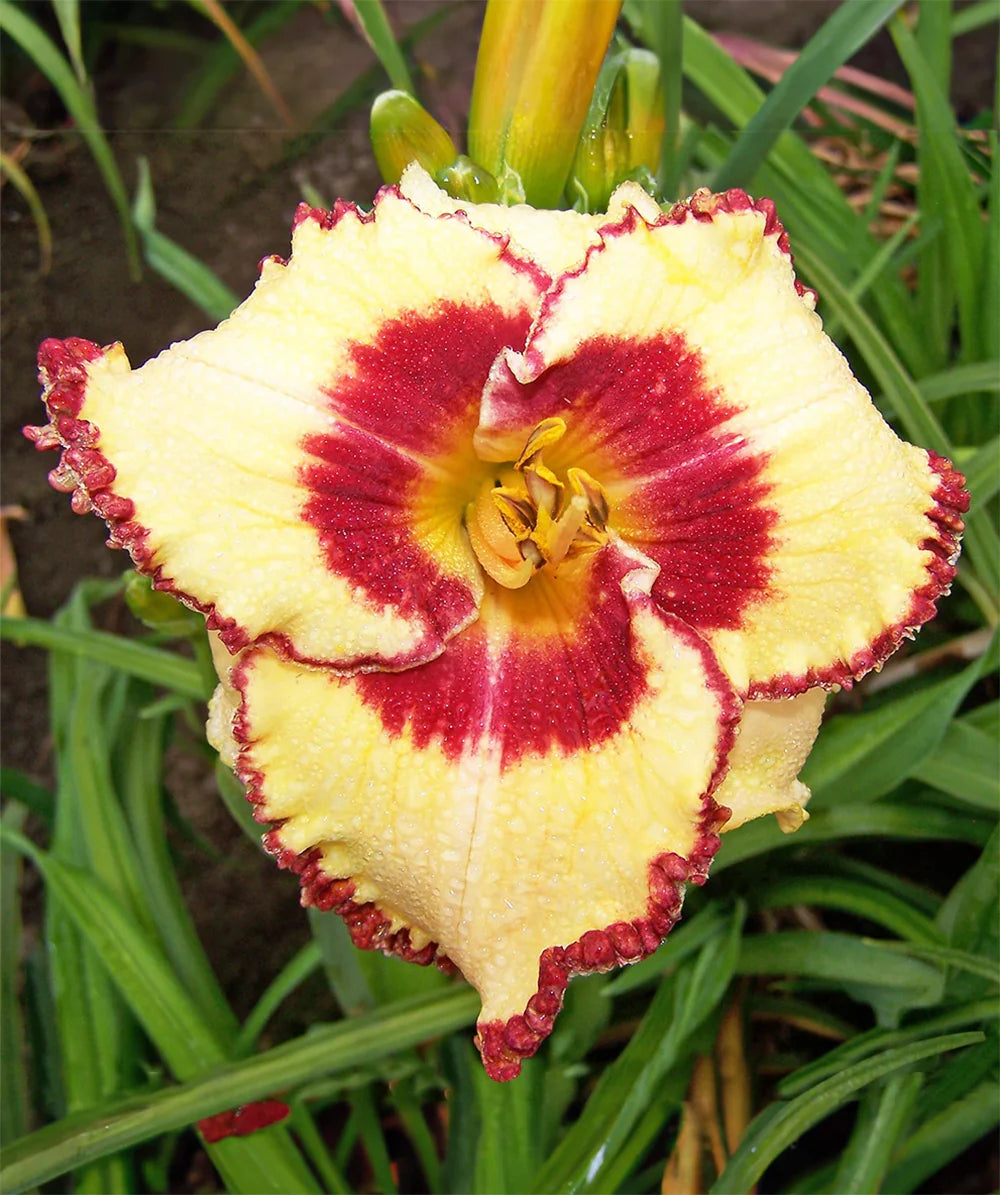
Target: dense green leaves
pixel 324 1052
pixel 871 932
pixel 153 664
pixel 663 1041
pixel 862 756
pixel 783 1123
pixel 882 1119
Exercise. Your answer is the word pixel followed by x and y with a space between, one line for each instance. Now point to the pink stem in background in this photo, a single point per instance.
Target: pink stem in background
pixel 770 63
pixel 356 23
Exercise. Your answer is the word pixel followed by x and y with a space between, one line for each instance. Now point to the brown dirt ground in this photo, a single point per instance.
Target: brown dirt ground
pixel 227 195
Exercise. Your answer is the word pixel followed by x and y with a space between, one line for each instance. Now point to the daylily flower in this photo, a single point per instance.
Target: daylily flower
pixel 503 520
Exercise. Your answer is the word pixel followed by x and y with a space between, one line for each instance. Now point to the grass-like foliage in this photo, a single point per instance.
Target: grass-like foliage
pixel 836 989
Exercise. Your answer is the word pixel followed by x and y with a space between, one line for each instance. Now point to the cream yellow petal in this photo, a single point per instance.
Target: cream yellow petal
pixel 274 471
pixel 556 241
pixel 791 526
pixel 527 804
pixel 223 704
pixel 773 744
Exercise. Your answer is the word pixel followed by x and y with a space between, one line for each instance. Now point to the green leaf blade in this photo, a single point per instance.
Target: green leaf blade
pixel 782 1124
pixel 847 30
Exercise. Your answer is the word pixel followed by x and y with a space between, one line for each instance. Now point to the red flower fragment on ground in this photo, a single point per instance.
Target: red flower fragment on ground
pixel 238 1122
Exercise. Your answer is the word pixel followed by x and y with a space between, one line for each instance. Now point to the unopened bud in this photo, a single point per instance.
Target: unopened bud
pixel 623 134
pixel 538 60
pixel 402 131
pixel 645 118
pixel 159 611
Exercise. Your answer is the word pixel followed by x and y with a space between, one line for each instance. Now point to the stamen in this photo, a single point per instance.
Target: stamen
pixel 565 530
pixel 593 491
pixel 526 520
pixel 494 542
pixel 544 488
pixel 532 555
pixel 547 433
pixel 515 509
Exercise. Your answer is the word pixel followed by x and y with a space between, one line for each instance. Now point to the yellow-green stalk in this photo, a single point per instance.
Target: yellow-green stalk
pixel 646 117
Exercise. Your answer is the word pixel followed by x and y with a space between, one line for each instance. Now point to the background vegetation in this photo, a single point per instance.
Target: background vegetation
pixel 824 1019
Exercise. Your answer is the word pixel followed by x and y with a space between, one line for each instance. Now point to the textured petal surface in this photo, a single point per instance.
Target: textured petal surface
pixel 290 472
pixel 555 240
pixel 544 782
pixel 791 526
pixel 771 749
pixel 494 704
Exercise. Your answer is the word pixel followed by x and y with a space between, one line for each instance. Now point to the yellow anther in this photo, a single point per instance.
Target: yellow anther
pixel 532 554
pixel 494 543
pixel 597 500
pixel 544 488
pixel 515 509
pixel 547 433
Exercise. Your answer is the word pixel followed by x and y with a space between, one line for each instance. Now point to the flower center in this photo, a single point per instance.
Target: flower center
pixel 526 518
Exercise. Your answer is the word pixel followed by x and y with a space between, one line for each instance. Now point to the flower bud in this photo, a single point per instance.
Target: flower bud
pixel 402 131
pixel 538 60
pixel 646 118
pixel 622 135
pixel 159 611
